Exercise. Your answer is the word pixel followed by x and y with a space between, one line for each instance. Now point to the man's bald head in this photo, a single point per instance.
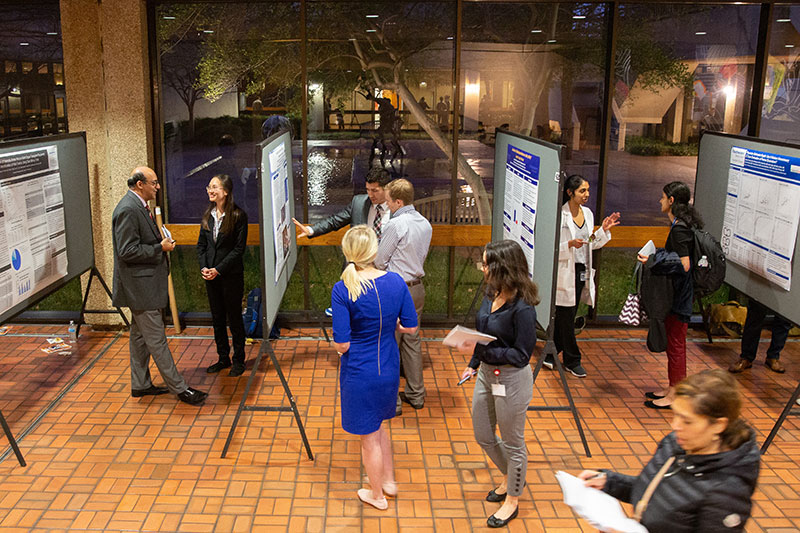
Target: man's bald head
pixel 144 182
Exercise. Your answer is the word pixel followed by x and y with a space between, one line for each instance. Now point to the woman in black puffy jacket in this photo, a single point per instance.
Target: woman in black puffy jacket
pixel 714 463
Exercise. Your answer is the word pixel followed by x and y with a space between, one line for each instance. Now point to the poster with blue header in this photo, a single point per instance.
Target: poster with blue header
pixel 762 209
pixel 519 205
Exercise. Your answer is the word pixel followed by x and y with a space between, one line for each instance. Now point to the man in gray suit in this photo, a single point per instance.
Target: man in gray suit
pixel 370 209
pixel 140 283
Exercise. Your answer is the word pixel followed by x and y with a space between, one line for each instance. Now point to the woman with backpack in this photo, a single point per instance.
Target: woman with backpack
pixel 674 261
pixel 220 249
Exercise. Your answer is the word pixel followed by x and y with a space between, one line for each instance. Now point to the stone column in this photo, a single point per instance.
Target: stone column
pixel 107 80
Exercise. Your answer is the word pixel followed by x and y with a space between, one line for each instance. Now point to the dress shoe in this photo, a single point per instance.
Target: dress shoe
pixel 192 396
pixel 404 398
pixel 236 370
pixel 152 390
pixel 495 522
pixel 775 365
pixel 739 366
pixel 365 495
pixel 216 367
pixel 496 497
pixel 650 404
pixel 652 396
pixel 398 411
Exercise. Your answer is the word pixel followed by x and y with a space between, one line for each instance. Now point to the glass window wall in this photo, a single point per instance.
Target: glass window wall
pixel 680 70
pixel 780 115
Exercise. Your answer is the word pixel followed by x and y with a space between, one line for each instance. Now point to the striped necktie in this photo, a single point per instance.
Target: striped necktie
pixel 376 224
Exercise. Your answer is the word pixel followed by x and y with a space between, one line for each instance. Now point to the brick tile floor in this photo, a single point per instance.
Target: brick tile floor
pixel 101 460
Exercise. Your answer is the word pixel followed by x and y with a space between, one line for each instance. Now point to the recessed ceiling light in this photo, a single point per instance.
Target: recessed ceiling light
pixel 208 31
pixel 24 44
pixel 551 40
pixel 372 31
pixel 788 46
pixel 449 38
pixel 168 17
pixel 52 33
pixel 372 16
pixel 700 33
pixel 783 20
pixel 579 17
pixel 536 31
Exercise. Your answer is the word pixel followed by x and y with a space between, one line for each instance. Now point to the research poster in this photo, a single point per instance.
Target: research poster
pixel 33 243
pixel 519 205
pixel 762 208
pixel 279 182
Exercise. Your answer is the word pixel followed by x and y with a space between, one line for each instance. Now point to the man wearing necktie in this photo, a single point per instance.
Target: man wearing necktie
pixel 370 209
pixel 140 283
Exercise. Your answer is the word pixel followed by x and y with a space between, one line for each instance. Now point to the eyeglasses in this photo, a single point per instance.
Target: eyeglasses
pixel 213 188
pixel 154 183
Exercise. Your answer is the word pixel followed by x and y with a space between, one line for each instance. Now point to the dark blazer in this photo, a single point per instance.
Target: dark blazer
pixel 140 265
pixel 225 254
pixel 702 494
pixel 354 214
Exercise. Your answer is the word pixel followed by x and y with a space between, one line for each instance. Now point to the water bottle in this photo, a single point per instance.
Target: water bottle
pixel 72 332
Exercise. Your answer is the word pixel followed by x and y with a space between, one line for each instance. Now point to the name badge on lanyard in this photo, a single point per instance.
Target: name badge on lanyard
pixel 498 389
pixel 583 276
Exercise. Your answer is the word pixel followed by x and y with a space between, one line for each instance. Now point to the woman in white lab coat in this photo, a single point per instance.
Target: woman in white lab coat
pixel 575 273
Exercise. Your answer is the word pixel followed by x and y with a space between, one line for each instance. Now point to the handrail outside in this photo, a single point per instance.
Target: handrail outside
pixel 443 235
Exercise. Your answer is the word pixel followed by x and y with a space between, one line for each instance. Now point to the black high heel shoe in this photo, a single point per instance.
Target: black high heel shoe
pixel 495 522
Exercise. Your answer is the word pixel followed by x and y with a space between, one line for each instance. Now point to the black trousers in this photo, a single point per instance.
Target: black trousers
pixel 564 328
pixel 756 314
pixel 225 298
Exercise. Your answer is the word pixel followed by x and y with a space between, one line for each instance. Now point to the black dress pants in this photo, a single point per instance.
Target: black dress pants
pixel 225 298
pixel 751 334
pixel 564 330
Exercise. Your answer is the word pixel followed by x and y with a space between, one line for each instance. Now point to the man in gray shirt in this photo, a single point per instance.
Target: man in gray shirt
pixel 403 248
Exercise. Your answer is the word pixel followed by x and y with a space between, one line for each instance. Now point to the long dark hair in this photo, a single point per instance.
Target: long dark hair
pixel 231 210
pixel 681 210
pixel 507 268
pixel 571 184
pixel 715 394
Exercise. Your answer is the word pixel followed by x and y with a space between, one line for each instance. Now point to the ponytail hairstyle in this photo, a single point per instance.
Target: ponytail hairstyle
pixel 715 394
pixel 507 268
pixel 232 211
pixel 360 246
pixel 681 210
pixel 571 184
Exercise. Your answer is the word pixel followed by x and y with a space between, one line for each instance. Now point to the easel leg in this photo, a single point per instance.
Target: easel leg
pixel 550 349
pixel 292 405
pixel 12 441
pixel 779 422
pixel 96 273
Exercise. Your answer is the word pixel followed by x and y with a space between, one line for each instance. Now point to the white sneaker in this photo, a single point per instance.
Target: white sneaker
pixel 549 362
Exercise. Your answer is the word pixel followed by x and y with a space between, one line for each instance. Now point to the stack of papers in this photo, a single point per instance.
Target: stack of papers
pixel 598 508
pixel 459 335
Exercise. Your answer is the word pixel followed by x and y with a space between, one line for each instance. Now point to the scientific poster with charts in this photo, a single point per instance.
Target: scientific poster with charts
pixel 33 245
pixel 519 206
pixel 279 182
pixel 762 208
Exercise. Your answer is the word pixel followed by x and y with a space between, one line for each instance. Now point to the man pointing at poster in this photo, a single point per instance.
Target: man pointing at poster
pixel 140 283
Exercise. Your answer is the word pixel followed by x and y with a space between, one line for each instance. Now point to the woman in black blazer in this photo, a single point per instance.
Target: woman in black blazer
pixel 220 247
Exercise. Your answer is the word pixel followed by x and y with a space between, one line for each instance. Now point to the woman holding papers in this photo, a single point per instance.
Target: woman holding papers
pixel 220 248
pixel 674 261
pixel 575 273
pixel 504 385
pixel 367 303
pixel 703 474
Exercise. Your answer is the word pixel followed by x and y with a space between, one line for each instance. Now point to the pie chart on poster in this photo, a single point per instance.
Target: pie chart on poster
pixel 16 259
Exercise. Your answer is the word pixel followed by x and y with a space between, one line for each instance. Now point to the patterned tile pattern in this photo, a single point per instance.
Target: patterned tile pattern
pixel 101 460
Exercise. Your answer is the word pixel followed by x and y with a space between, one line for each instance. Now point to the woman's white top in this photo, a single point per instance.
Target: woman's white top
pixel 567 257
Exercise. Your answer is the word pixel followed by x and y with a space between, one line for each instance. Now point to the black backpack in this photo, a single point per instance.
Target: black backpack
pixel 708 263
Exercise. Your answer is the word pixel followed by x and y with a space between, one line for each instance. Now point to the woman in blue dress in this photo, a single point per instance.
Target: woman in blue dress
pixel 367 303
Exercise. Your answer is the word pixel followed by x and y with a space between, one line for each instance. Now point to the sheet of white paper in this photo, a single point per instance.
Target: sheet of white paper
pixel 648 249
pixel 167 234
pixel 460 334
pixel 601 510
